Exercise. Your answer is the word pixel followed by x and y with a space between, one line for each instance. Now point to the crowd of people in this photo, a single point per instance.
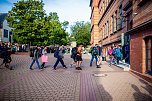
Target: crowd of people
pixel 40 52
pixel 115 55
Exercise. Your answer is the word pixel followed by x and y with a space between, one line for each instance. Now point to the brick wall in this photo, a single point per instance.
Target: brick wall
pixel 110 37
pixel 137 50
pixel 144 13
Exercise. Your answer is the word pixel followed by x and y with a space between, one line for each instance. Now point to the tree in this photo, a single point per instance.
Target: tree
pixel 24 18
pixel 81 32
pixel 31 24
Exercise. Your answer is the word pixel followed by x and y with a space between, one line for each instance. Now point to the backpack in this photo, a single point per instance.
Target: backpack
pixel 95 51
pixel 31 53
pixel 74 51
pixel 56 53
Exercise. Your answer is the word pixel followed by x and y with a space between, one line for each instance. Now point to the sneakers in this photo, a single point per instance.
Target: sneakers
pixel 65 67
pixel 78 68
pixel 31 68
pixel 98 66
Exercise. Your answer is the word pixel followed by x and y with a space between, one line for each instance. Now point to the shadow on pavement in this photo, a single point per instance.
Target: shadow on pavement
pixel 138 95
pixel 104 94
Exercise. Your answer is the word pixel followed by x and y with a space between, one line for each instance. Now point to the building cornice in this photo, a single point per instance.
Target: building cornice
pixel 147 24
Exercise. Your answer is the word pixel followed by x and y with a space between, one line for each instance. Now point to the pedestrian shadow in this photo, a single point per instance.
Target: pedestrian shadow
pixel 140 96
pixel 105 96
pixel 147 86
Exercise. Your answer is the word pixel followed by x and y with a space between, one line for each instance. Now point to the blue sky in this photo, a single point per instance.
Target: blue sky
pixel 68 10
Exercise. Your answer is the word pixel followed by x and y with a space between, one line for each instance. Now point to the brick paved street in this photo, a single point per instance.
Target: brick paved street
pixel 22 84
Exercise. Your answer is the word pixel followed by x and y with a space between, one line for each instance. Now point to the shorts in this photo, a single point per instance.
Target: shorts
pixel 78 58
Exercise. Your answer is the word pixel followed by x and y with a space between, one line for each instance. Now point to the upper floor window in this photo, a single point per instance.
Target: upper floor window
pixel 112 18
pixel 121 16
pixel 116 20
pixel 107 28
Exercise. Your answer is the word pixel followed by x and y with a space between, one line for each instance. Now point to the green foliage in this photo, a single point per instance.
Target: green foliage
pixel 31 24
pixel 81 32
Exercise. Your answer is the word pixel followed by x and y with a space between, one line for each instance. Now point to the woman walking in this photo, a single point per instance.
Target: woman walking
pixel 79 58
pixel 44 57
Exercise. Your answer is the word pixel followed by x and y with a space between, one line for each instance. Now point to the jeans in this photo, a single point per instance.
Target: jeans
pixel 57 61
pixel 37 62
pixel 118 59
pixel 93 59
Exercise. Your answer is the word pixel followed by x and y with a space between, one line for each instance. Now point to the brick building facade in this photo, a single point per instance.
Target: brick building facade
pixel 141 39
pixel 129 23
pixel 111 23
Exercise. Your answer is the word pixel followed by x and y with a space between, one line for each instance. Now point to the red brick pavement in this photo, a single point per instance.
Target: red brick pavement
pixel 22 84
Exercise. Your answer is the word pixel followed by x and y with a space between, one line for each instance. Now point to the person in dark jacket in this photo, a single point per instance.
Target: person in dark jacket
pixel 35 58
pixel 73 55
pixel 6 55
pixel 59 55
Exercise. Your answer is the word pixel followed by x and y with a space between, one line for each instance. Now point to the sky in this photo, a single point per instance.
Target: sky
pixel 67 10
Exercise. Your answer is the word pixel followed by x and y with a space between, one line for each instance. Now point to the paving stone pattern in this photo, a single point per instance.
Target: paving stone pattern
pixel 22 84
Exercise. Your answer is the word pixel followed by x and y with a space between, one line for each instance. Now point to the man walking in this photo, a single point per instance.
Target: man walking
pixel 94 53
pixel 59 55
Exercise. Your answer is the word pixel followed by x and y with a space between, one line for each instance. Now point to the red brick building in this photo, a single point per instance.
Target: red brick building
pixel 111 23
pixel 129 23
pixel 141 39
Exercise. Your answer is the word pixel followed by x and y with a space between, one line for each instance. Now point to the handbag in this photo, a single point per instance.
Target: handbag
pixel 44 58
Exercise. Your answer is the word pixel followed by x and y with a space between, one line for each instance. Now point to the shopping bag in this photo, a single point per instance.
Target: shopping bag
pixel 44 58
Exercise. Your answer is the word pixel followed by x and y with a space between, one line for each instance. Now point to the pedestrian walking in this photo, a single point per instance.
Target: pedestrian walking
pixel 73 55
pixel 44 57
pixel 94 53
pixel 35 58
pixel 79 58
pixel 117 53
pixel 59 55
pixel 110 51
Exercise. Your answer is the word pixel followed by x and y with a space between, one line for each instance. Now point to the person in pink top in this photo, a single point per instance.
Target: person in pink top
pixel 110 55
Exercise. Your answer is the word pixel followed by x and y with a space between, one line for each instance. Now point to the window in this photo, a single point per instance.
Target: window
pixel 121 19
pixel 112 18
pixel 103 32
pixel 116 20
pixel 107 28
pixel 104 6
pixel 148 43
pixel 5 33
